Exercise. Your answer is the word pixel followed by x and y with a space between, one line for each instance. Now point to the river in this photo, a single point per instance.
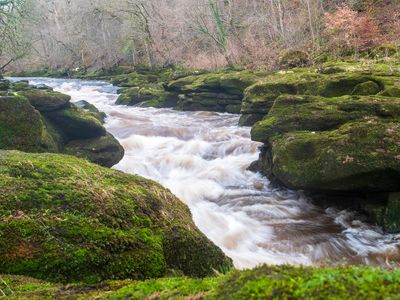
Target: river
pixel 202 157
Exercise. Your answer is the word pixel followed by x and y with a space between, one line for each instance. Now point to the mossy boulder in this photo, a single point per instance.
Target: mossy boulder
pixel 314 113
pixel 104 150
pixel 294 59
pixel 21 86
pixel 260 97
pixel 40 120
pixel 4 85
pixel 75 123
pixel 367 88
pixel 358 156
pixel 22 127
pixel 135 96
pixel 386 214
pixel 327 132
pixel 88 107
pixel 218 91
pixel 65 219
pixel 46 101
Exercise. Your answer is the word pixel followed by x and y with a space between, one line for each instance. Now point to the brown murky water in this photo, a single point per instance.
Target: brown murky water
pixel 202 157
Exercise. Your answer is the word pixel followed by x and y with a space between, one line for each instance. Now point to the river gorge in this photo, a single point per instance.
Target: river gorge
pixel 202 157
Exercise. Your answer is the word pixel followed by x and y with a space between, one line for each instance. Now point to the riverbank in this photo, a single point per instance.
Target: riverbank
pixel 280 282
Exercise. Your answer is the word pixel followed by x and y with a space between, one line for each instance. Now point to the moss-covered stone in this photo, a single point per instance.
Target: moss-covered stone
pixel 136 95
pixel 347 79
pixel 328 132
pixel 65 219
pixel 99 115
pixel 358 156
pixel 22 85
pixel 313 113
pixel 218 91
pixel 367 88
pixel 46 101
pixel 75 123
pixel 104 150
pixel 21 126
pixel 294 59
pixel 40 120
pixel 4 85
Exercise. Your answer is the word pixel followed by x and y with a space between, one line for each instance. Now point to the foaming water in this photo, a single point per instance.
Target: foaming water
pixel 203 158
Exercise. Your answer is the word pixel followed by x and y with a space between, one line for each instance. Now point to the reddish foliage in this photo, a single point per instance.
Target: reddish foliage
pixel 347 29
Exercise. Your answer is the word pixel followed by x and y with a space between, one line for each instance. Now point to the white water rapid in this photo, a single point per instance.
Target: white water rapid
pixel 202 157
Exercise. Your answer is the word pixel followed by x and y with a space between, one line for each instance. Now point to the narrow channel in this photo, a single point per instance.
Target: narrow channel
pixel 203 158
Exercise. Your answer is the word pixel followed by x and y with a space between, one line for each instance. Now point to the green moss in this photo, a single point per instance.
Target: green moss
pixel 64 219
pixel 21 86
pixel 367 88
pixel 21 126
pixel 309 111
pixel 104 150
pixel 4 85
pixel 294 59
pixel 299 113
pixel 46 101
pixel 358 156
pixel 391 92
pixel 101 116
pixel 266 282
pixel 75 123
pixel 287 282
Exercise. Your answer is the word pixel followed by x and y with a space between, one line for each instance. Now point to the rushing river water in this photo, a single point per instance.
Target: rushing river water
pixel 202 157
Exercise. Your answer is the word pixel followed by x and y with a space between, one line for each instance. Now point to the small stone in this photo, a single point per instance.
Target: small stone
pixel 258 185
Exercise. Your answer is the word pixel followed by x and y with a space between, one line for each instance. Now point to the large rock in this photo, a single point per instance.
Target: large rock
pixel 327 131
pixel 65 219
pixel 22 127
pixel 219 91
pixel 46 101
pixel 359 156
pixel 75 123
pixel 104 150
pixel 260 97
pixel 93 110
pixel 40 120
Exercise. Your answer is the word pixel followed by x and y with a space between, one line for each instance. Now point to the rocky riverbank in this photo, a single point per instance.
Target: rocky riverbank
pixel 331 129
pixel 37 119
